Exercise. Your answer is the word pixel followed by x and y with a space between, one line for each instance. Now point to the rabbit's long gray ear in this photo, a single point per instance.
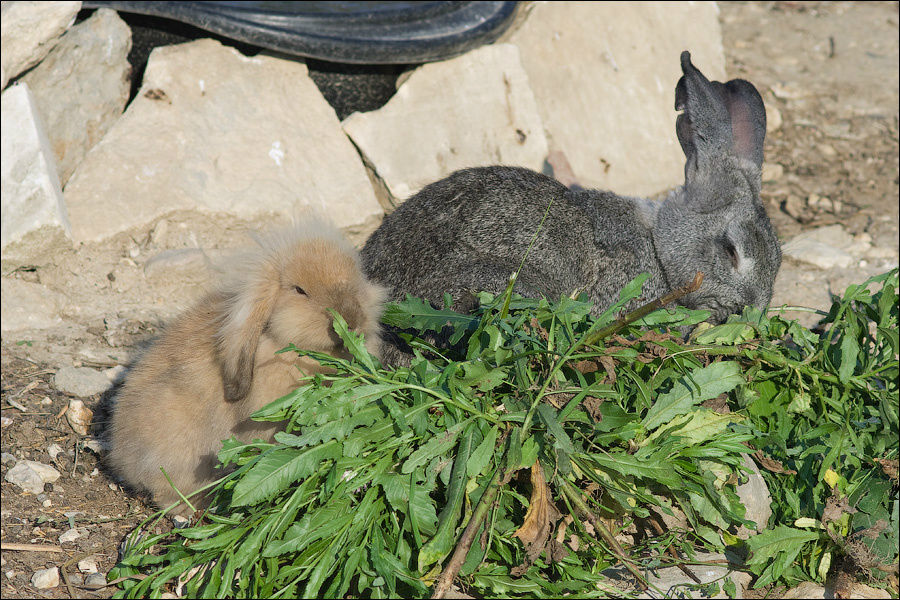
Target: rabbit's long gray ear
pixel 248 311
pixel 718 117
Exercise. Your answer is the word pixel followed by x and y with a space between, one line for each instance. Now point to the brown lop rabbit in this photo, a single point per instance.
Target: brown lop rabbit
pixel 216 364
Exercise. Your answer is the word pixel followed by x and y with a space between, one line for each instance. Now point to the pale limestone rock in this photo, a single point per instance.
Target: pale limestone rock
pixel 215 131
pixel 755 496
pixel 44 579
pixel 29 30
pixel 80 416
pixel 669 579
pixel 81 88
pixel 604 76
pixel 28 305
pixel 31 475
pixel 88 565
pixel 69 536
pixel 190 263
pixel 81 382
pixel 34 224
pixel 813 590
pixel 95 580
pixel 473 110
pixel 772 172
pixel 825 247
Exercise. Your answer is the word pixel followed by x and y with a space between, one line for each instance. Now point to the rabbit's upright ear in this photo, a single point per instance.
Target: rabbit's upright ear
pixel 248 310
pixel 718 118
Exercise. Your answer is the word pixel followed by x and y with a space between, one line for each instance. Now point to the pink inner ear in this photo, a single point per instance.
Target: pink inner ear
pixel 741 128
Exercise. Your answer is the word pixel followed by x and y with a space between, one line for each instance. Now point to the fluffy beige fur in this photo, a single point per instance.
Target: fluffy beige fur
pixel 216 363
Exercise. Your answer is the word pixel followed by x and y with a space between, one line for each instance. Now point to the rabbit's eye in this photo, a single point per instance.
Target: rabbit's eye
pixel 300 290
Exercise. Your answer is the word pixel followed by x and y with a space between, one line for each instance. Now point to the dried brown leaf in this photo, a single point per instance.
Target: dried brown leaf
pixel 836 505
pixel 718 404
pixel 609 365
pixel 891 468
pixel 770 464
pixel 540 518
pixel 592 406
pixel 586 366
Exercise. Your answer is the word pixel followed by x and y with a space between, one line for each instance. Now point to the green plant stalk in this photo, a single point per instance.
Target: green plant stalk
pixel 442 585
pixel 177 491
pixel 779 360
pixel 591 339
pixel 646 309
pixel 575 498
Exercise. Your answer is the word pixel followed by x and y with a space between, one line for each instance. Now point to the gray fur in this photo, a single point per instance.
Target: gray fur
pixel 469 232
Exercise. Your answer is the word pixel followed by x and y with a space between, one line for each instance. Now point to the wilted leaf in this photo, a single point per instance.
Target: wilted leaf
pixel 891 468
pixel 770 464
pixel 836 506
pixel 540 518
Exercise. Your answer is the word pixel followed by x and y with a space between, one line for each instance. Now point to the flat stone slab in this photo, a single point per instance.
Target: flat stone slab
pixel 81 88
pixel 31 475
pixel 476 109
pixel 28 31
pixel 215 131
pixel 604 76
pixel 33 224
pixel 81 381
pixel 28 305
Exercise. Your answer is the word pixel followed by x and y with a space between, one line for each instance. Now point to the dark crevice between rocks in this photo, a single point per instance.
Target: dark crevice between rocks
pixel 347 88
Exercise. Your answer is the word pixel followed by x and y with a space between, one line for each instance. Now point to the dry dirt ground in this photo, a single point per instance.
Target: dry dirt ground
pixel 830 70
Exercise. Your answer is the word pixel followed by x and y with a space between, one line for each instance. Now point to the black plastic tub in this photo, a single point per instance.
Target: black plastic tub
pixel 342 32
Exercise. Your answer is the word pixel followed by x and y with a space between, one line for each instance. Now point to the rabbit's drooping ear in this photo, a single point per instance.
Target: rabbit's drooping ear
pixel 249 306
pixel 718 117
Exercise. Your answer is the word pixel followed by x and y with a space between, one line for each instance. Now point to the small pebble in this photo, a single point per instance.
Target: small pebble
pixel 47 503
pixel 79 416
pixel 81 381
pixel 95 579
pixel 87 565
pixel 794 206
pixel 93 445
pixel 45 579
pixel 827 150
pixel 6 458
pixel 772 171
pixel 95 472
pixel 180 522
pixel 46 401
pixel 5 421
pixel 114 487
pixel 53 450
pixel 31 475
pixel 70 536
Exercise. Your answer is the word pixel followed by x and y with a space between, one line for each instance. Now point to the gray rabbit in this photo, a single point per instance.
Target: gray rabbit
pixel 469 231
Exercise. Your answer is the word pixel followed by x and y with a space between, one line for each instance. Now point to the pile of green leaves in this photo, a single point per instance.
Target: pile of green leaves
pixel 543 433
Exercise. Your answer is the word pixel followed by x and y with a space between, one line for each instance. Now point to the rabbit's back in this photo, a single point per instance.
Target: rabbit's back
pixel 469 232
